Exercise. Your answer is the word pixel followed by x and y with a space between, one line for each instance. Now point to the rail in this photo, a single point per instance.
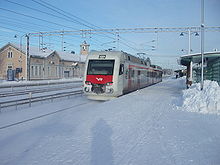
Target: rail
pixel 42 90
pixel 31 99
pixel 36 84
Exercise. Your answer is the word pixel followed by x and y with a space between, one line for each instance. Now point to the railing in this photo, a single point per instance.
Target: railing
pixel 31 99
pixel 41 90
pixel 35 84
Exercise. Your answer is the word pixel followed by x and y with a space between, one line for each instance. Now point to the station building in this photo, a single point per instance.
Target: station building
pixel 44 64
pixel 193 64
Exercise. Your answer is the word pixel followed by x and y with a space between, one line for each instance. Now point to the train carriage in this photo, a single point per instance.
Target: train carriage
pixel 109 74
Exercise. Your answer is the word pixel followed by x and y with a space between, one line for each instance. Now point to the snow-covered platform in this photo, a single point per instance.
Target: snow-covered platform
pixel 144 127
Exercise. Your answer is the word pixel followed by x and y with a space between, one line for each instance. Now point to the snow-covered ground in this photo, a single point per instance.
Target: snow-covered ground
pixel 149 126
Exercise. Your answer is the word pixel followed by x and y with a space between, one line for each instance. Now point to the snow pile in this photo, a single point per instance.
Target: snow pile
pixel 205 101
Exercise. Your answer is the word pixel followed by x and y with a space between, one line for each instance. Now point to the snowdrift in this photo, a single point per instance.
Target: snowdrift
pixel 205 101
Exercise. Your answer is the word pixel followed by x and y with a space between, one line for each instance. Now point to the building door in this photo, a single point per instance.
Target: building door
pixel 10 75
pixel 66 74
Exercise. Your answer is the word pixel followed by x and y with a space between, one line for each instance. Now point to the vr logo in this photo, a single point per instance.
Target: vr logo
pixel 99 79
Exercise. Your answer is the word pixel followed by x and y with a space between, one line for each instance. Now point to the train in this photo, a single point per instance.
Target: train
pixel 110 74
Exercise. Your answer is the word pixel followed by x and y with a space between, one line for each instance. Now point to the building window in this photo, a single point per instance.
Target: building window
pixel 36 71
pixel 10 55
pixel 39 70
pixel 57 71
pixel 32 71
pixel 9 66
pixel 48 71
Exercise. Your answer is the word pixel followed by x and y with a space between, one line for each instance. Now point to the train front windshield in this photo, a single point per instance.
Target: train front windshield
pixel 100 67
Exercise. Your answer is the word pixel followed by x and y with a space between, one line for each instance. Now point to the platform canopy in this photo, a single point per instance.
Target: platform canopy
pixel 196 58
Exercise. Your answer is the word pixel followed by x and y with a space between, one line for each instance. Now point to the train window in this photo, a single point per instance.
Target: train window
pixel 148 74
pixel 100 67
pixel 121 70
pixel 132 73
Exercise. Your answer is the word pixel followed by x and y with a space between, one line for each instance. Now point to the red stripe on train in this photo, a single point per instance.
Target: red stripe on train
pixel 99 79
pixel 140 67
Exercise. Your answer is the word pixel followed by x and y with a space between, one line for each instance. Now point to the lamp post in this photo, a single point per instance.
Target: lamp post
pixel 190 77
pixel 20 57
pixel 28 57
pixel 189 38
pixel 202 42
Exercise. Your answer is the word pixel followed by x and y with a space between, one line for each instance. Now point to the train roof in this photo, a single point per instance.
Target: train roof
pixel 127 56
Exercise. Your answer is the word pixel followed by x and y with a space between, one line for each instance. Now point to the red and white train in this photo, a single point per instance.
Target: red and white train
pixel 109 74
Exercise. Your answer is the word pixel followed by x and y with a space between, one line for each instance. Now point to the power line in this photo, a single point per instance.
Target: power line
pixel 36 10
pixel 35 18
pixel 52 7
pixel 68 16
pixel 39 11
pixel 125 30
pixel 15 25
pixel 25 22
pixel 48 6
pixel 12 29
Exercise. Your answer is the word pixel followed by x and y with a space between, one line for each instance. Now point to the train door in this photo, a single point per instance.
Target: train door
pixel 139 79
pixel 130 79
pixel 126 78
pixel 121 78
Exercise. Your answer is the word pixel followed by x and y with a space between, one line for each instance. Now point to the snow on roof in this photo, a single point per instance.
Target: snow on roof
pixel 41 53
pixel 34 51
pixel 71 56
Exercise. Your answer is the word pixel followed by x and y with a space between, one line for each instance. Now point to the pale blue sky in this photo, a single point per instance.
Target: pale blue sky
pixel 113 14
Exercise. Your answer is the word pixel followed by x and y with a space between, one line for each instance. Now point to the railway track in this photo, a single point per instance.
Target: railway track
pixel 30 93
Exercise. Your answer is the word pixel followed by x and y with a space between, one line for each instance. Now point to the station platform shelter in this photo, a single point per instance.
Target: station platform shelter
pixel 193 64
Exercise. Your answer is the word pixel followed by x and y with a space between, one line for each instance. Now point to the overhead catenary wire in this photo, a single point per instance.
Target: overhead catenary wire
pixel 25 15
pixel 40 11
pixel 60 11
pixel 63 18
pixel 55 9
pixel 18 21
pixel 69 18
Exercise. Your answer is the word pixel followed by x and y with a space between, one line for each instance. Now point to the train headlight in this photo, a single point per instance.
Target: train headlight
pixel 86 89
pixel 109 83
pixel 109 90
pixel 88 83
